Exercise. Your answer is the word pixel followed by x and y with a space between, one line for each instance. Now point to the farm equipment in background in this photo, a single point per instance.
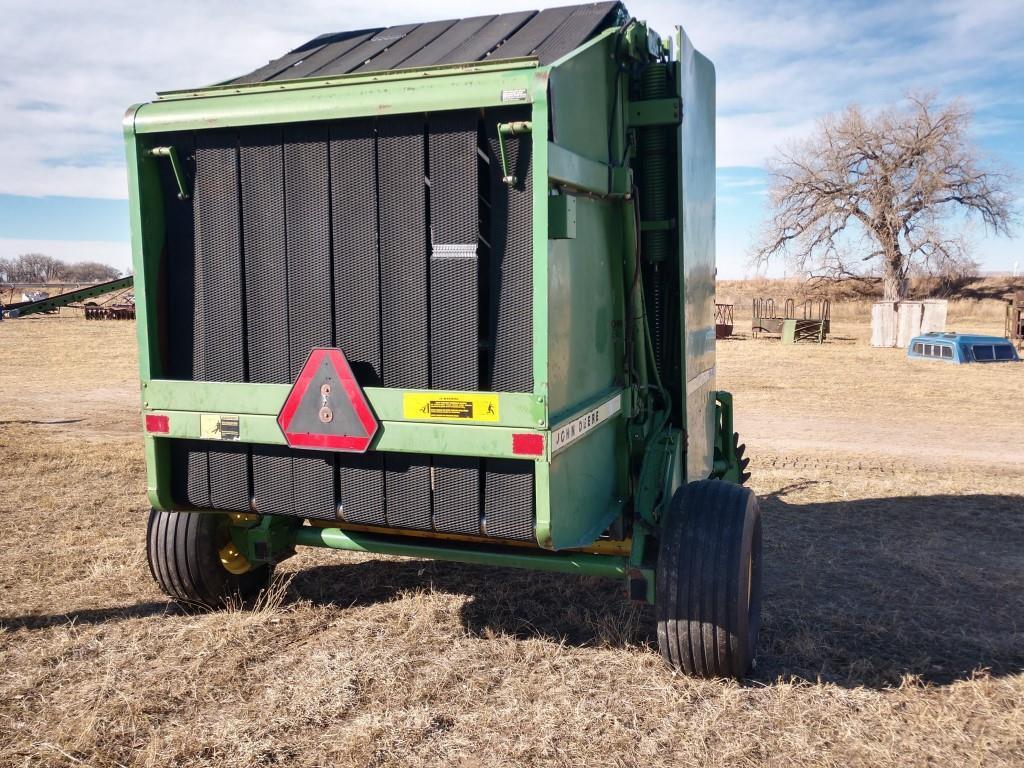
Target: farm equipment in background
pixel 446 290
pixel 723 321
pixel 813 324
pixel 1014 330
pixel 121 307
pixel 54 303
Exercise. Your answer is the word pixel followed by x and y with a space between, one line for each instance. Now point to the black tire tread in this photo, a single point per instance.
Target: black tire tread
pixel 183 557
pixel 701 580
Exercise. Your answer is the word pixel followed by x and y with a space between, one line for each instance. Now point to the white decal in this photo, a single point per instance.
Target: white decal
pixel 699 380
pixel 568 433
pixel 513 94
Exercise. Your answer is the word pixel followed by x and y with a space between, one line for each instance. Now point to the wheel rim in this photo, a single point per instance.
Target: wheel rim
pixel 231 559
pixel 750 581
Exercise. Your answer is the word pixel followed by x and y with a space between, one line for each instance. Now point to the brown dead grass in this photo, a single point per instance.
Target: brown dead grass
pixel 894 514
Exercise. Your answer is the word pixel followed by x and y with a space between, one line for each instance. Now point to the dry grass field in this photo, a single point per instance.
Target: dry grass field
pixel 893 498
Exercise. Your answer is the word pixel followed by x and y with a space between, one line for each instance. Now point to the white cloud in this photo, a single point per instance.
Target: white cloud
pixel 69 70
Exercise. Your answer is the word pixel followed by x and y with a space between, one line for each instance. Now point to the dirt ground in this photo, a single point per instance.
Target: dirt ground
pixel 893 634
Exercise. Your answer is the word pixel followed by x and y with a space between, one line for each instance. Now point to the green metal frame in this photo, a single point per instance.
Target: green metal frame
pixel 621 473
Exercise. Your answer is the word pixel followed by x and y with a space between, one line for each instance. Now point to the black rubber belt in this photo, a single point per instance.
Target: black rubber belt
pixel 365 51
pixel 335 49
pixel 582 23
pixel 280 65
pixel 190 475
pixel 508 499
pixel 511 266
pixel 536 31
pixel 221 339
pixel 508 484
pixel 488 38
pixel 454 305
pixel 447 42
pixel 404 301
pixel 261 172
pixel 308 228
pixel 396 54
pixel 357 300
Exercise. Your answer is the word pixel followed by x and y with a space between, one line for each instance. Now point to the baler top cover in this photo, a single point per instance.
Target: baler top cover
pixel 547 35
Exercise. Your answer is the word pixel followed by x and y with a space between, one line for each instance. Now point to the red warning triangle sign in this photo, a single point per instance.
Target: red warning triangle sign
pixel 326 409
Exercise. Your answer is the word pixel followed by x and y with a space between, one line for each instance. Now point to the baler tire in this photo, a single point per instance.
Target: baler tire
pixel 708 580
pixel 183 550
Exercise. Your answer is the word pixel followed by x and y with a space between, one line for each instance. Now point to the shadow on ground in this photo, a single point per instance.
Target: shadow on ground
pixel 91 616
pixel 863 592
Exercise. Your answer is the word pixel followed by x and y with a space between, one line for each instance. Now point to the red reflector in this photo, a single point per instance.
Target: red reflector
pixel 157 423
pixel 528 445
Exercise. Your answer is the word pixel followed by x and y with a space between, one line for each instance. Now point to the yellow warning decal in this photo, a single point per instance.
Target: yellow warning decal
pixel 450 406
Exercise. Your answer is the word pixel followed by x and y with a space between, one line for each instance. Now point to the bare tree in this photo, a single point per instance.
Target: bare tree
pixel 91 271
pixel 38 268
pixel 869 192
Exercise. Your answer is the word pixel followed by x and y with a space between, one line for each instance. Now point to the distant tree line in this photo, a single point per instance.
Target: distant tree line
pixel 40 268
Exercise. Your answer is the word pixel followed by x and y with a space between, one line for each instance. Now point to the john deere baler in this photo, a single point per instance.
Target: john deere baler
pixel 446 290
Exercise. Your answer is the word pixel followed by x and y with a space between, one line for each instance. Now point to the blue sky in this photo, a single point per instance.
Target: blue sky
pixel 780 67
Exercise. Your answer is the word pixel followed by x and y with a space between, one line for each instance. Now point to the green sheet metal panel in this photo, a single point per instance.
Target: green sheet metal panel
pixel 584 355
pixel 696 135
pixel 586 484
pixel 584 331
pixel 581 87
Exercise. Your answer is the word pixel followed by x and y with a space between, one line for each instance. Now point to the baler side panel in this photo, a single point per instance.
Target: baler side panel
pixel 585 307
pixel 581 88
pixel 696 140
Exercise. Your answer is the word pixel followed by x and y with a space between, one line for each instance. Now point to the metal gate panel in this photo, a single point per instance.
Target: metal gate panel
pixel 221 335
pixel 308 232
pixel 454 305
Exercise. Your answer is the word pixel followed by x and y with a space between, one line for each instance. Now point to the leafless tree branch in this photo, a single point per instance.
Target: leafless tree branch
pixel 873 193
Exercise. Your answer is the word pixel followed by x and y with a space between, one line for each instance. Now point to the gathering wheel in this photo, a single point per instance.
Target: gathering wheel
pixel 193 559
pixel 708 581
pixel 742 461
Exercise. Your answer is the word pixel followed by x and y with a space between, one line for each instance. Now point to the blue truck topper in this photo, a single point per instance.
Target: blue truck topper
pixel 961 348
